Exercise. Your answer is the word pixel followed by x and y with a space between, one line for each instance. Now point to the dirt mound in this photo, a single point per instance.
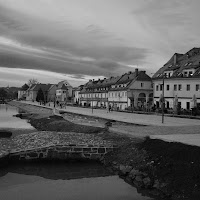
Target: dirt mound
pixel 56 123
pixel 175 164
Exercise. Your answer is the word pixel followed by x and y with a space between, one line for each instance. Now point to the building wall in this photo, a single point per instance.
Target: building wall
pixel 182 93
pixel 21 94
pixel 118 99
pixel 143 85
pixel 52 93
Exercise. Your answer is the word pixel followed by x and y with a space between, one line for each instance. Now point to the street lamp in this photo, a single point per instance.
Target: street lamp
pixel 163 99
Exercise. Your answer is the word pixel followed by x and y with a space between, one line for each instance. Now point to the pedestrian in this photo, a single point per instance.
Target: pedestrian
pixel 109 108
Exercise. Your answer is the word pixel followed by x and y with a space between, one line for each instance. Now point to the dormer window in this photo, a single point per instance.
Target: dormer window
pixel 186 64
pixel 190 73
pixel 170 66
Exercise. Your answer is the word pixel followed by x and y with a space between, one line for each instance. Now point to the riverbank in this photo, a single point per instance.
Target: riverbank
pixel 155 167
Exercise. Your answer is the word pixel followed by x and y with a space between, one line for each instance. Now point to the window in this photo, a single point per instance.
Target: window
pixel 179 87
pixel 197 87
pixel 156 87
pixel 175 87
pixel 167 87
pixel 190 73
pixel 185 73
pixel 142 84
pixel 160 87
pixel 125 94
pixel 188 87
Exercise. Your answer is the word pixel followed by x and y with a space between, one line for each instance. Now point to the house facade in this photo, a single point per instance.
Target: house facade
pixel 133 90
pixel 32 92
pixel 51 94
pixel 181 78
pixel 119 92
pixel 76 97
pixel 95 93
pixel 63 92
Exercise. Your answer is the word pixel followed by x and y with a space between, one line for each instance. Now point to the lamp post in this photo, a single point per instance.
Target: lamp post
pixel 163 99
pixel 92 100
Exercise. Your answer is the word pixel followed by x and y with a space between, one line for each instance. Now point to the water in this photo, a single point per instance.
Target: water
pixel 61 181
pixel 8 121
pixel 58 181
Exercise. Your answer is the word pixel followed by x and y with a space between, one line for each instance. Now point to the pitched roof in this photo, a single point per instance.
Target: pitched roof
pixel 130 77
pixel 180 62
pixel 65 83
pixel 44 87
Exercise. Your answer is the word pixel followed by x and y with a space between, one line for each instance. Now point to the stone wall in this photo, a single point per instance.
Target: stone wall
pixel 59 152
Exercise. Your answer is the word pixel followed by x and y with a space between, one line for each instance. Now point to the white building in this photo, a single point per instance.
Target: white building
pixel 63 92
pixel 181 81
pixel 131 89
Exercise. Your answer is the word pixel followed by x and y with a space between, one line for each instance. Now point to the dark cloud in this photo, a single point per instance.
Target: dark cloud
pixel 78 76
pixel 107 64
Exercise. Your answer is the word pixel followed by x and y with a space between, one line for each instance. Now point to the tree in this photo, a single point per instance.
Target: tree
pixel 40 95
pixel 3 93
pixel 32 81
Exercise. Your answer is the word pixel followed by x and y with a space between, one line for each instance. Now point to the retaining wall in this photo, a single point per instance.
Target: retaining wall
pixel 62 153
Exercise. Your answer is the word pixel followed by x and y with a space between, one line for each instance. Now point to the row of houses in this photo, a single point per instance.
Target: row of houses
pixel 178 81
pixel 132 89
pixel 61 92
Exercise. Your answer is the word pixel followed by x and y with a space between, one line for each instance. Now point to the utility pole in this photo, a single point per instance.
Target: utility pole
pixel 92 101
pixel 163 98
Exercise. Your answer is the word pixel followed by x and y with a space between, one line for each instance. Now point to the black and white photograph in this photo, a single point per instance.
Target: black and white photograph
pixel 99 100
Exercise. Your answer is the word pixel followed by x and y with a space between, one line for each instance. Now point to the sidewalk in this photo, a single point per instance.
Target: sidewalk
pixel 142 119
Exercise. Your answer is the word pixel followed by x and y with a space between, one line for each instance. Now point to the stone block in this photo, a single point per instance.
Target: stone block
pixel 87 149
pixel 101 150
pixel 109 149
pixel 66 149
pixel 78 149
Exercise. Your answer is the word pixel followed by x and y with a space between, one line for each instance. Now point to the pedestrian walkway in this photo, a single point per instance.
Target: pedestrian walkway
pixel 142 119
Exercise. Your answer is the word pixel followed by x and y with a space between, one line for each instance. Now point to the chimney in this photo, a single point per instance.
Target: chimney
pixel 136 72
pixel 175 59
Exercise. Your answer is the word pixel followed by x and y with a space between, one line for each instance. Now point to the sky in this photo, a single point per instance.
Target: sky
pixel 78 40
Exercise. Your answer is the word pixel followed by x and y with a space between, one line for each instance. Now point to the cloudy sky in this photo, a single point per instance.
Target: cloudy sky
pixel 77 40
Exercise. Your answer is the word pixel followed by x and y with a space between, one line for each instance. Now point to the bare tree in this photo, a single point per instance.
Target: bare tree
pixel 32 81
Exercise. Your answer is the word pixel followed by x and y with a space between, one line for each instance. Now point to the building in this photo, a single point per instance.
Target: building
pixel 181 77
pixel 95 93
pixel 131 89
pixel 64 92
pixel 51 93
pixel 22 92
pixel 32 92
pixel 76 91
